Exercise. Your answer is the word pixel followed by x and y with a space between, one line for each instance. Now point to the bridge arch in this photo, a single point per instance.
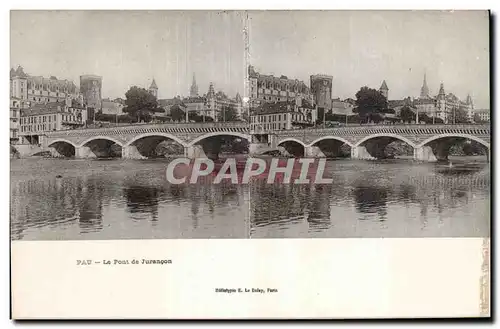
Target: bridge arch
pixel 298 149
pixel 330 146
pixel 471 137
pixel 396 136
pixel 220 133
pixel 291 139
pixel 156 134
pixel 60 140
pixel 340 139
pixel 62 148
pixel 111 139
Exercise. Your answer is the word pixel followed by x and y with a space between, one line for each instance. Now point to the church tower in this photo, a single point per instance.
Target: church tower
pixel 193 92
pixel 384 90
pixel 153 89
pixel 424 91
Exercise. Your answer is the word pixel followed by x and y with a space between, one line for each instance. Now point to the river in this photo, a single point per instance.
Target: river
pixel 62 199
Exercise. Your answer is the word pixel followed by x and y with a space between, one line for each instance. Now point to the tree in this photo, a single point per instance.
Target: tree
pixel 177 113
pixel 369 102
pixel 227 114
pixel 407 114
pixel 423 117
pixel 461 116
pixel 141 104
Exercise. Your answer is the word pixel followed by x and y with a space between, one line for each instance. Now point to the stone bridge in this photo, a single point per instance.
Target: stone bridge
pixel 429 142
pixel 140 141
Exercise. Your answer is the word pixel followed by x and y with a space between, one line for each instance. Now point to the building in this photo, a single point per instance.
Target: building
pixel 91 90
pixel 482 115
pixel 342 107
pixel 37 89
pixel 113 107
pixel 321 89
pixel 16 105
pixel 153 89
pixel 41 118
pixel 27 91
pixel 216 102
pixel 283 115
pixel 270 89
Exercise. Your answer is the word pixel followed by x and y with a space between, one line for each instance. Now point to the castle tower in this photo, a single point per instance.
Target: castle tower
pixel 193 92
pixel 153 89
pixel 384 90
pixel 321 88
pixel 424 91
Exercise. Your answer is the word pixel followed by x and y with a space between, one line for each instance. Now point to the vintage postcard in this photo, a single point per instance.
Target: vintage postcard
pixel 250 164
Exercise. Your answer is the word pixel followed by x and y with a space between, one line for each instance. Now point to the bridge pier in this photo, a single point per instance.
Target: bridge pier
pixel 194 151
pixel 257 148
pixel 361 153
pixel 84 152
pixel 131 152
pixel 424 153
pixel 54 153
pixel 313 152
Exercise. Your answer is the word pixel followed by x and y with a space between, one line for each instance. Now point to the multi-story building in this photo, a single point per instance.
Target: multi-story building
pixel 483 115
pixel 41 118
pixel 283 115
pixel 342 107
pixel 443 106
pixel 113 107
pixel 216 102
pixel 37 89
pixel 270 89
pixel 91 89
pixel 16 105
pixel 321 89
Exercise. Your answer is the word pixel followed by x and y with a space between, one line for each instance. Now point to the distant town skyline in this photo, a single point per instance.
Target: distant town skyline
pixel 363 48
pixel 358 48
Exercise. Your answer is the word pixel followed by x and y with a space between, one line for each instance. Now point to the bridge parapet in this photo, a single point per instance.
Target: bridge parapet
pixel 415 133
pixel 160 127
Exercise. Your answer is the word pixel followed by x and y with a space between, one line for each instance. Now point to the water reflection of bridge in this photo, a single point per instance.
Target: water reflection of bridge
pixel 82 200
pixel 316 204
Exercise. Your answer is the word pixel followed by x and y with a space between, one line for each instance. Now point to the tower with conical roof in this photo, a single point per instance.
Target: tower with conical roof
pixel 469 101
pixel 211 91
pixel 153 89
pixel 384 90
pixel 424 91
pixel 441 94
pixel 441 109
pixel 193 92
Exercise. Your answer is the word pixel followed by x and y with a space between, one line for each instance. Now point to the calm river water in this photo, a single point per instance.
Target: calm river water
pixel 57 199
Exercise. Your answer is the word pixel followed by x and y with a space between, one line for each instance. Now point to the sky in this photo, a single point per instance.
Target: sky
pixel 130 48
pixel 357 48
